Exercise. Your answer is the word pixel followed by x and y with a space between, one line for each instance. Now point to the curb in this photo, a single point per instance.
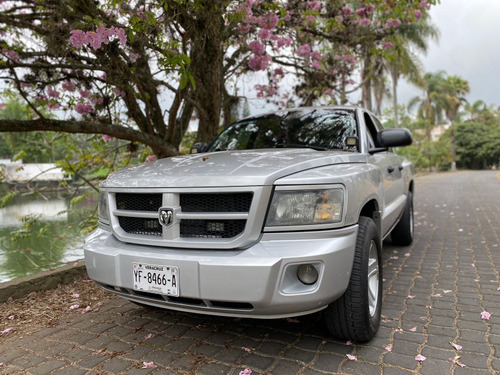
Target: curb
pixel 41 281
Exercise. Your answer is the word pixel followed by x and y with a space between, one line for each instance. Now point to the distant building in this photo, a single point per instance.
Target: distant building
pixel 16 171
pixel 436 132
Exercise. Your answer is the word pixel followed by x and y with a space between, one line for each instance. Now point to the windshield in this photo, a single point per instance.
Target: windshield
pixel 319 129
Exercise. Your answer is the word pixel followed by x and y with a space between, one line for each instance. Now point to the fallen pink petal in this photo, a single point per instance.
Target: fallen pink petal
pixel 74 307
pixel 414 329
pixel 411 297
pixel 5 331
pixel 86 310
pixel 485 315
pixel 248 350
pixel 420 358
pixel 246 371
pixel 456 361
pixel 447 291
pixel 456 346
pixel 148 364
pixel 388 348
pixel 348 343
pixel 352 357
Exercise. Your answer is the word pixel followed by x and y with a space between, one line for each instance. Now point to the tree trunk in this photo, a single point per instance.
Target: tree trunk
pixel 453 149
pixel 395 77
pixel 207 65
pixel 366 87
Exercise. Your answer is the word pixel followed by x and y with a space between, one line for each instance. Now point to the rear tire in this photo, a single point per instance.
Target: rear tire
pixel 356 314
pixel 402 234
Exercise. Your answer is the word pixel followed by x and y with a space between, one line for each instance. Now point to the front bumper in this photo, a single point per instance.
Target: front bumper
pixel 260 281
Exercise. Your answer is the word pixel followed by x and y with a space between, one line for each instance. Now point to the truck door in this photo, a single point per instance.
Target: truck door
pixel 390 166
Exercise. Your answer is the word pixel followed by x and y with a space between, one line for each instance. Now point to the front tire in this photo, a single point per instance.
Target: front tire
pixel 356 314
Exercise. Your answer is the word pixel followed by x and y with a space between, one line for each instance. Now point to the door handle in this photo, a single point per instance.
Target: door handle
pixel 390 169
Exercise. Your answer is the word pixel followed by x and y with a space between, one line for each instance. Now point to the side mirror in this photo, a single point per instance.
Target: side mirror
pixel 397 137
pixel 198 148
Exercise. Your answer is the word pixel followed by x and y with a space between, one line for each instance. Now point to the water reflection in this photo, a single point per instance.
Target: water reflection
pixel 37 234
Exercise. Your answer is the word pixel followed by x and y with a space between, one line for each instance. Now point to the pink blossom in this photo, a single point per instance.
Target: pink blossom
pixel 420 358
pixel 83 108
pixel 264 34
pixel 68 86
pixel 316 56
pixel 278 72
pixel 314 5
pixel 257 47
pixel 485 315
pixel 269 21
pixel 107 138
pixel 151 158
pixel 53 93
pixel 11 55
pixel 303 51
pixel 352 357
pixel 85 93
pixel 78 38
pixel 347 11
pixel 328 92
pixel 96 101
pixel 134 57
pixel 387 45
pixel 364 22
pixel 2 106
pixel 424 5
pixel 259 62
pixel 369 8
pixel 361 12
pixel 418 14
pixel 246 371
pixel 284 42
pixel 316 65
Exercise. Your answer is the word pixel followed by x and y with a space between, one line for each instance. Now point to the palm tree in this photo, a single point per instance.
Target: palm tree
pixel 402 60
pixel 454 91
pixel 430 106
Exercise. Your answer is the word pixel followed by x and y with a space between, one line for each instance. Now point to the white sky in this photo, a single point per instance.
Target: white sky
pixel 469 46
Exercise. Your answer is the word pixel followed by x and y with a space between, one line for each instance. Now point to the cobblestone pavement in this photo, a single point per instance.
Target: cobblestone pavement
pixel 435 292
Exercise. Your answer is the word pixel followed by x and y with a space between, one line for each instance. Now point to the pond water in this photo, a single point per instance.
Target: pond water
pixel 38 233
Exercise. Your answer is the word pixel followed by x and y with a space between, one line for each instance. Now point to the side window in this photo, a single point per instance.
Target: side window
pixel 371 131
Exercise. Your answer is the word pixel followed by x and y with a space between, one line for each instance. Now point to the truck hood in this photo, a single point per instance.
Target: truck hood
pixel 226 168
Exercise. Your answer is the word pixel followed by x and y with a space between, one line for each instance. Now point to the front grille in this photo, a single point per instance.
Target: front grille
pixel 211 228
pixel 209 202
pixel 138 202
pixel 137 215
pixel 140 226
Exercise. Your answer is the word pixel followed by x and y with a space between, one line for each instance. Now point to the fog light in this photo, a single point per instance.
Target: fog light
pixel 307 274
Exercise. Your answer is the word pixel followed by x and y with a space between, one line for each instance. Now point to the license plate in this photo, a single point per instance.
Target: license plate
pixel 156 279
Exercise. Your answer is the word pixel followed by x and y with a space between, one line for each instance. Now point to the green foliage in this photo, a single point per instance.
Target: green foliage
pixel 478 145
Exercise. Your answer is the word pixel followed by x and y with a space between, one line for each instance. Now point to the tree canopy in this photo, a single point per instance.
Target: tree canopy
pixel 139 70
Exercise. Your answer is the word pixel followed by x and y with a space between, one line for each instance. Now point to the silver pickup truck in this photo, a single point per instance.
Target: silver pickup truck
pixel 281 215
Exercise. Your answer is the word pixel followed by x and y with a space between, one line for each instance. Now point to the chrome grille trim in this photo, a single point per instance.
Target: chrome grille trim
pixel 213 236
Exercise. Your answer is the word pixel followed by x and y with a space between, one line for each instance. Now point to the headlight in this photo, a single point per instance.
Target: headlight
pixel 103 208
pixel 305 206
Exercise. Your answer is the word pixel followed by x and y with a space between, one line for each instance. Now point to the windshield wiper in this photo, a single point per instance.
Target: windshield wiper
pixel 291 145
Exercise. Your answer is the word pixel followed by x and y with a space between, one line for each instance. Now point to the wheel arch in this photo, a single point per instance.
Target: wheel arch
pixel 371 209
